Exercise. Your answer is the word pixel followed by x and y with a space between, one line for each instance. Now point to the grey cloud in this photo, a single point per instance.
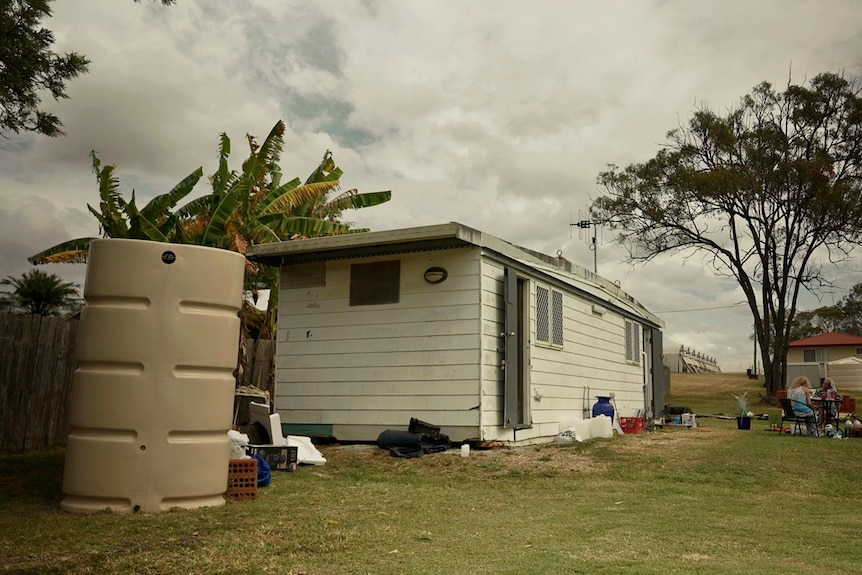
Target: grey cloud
pixel 496 113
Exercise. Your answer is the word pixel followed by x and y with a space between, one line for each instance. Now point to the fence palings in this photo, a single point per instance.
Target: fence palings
pixel 37 363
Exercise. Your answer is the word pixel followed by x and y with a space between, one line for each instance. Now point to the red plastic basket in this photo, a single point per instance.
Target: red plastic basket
pixel 242 479
pixel 632 424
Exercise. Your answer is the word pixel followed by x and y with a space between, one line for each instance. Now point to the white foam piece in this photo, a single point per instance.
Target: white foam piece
pixel 306 452
pixel 259 413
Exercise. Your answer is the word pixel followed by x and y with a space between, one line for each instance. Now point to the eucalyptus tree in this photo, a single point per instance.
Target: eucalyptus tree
pixel 844 316
pixel 851 307
pixel 30 69
pixel 767 193
pixel 808 323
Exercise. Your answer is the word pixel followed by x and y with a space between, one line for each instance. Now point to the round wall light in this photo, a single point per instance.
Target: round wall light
pixel 435 275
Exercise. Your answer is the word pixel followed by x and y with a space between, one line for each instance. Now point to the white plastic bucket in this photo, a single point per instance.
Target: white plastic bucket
pixel 583 429
pixel 601 426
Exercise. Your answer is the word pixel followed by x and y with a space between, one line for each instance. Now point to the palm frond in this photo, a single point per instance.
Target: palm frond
pixel 261 160
pixel 261 233
pixel 109 228
pixel 217 227
pixel 327 171
pixel 111 204
pixel 219 180
pixel 192 228
pixel 151 231
pixel 71 252
pixel 286 201
pixel 197 206
pixel 286 227
pixel 159 205
pixel 353 200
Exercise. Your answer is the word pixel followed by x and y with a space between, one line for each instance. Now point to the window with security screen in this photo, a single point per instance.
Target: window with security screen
pixel 633 342
pixel 556 318
pixel 549 316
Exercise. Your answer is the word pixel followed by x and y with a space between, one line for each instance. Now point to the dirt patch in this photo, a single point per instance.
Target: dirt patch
pixel 539 460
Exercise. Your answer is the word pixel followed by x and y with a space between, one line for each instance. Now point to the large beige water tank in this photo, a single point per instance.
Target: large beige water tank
pixel 153 389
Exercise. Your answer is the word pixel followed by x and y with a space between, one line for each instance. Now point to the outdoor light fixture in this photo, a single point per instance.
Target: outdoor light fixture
pixel 435 275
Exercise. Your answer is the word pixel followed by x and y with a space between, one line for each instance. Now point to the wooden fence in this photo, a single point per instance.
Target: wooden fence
pixel 37 361
pixel 37 358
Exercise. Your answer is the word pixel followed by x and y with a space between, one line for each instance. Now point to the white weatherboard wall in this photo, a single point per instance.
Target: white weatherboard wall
pixel 365 369
pixel 563 382
pixel 436 354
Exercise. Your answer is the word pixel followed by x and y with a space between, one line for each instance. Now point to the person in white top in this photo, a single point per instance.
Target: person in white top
pixel 799 393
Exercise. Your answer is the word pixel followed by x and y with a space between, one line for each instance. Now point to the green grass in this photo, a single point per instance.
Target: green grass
pixel 705 500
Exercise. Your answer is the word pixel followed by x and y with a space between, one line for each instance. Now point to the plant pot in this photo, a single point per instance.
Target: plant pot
pixel 743 423
pixel 603 407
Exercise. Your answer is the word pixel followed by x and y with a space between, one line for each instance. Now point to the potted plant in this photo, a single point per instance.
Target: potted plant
pixel 743 415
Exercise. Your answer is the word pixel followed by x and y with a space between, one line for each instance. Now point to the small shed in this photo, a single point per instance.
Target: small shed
pixel 847 374
pixel 456 328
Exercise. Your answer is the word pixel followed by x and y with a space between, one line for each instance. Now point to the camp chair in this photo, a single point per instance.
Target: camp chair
pixel 798 420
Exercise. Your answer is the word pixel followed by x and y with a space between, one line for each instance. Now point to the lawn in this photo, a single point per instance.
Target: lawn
pixel 707 500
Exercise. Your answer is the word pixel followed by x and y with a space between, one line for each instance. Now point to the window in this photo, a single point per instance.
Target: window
pixel 375 283
pixel 549 316
pixel 557 318
pixel 633 342
pixel 815 355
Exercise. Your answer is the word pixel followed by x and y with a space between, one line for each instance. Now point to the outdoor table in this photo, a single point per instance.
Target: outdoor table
pixel 829 409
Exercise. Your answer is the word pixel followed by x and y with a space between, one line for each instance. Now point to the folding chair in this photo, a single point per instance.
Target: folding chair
pixel 798 420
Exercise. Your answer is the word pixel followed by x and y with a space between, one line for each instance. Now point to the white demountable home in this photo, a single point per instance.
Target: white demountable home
pixel 456 328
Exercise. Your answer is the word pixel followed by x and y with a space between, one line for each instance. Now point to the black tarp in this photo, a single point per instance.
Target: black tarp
pixel 407 444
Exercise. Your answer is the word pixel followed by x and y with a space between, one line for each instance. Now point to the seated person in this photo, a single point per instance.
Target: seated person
pixel 829 391
pixel 799 393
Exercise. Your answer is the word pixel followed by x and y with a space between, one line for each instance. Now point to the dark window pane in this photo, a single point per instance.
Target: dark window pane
pixel 375 283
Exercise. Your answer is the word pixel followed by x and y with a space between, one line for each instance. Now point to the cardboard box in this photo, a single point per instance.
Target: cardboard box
pixel 279 457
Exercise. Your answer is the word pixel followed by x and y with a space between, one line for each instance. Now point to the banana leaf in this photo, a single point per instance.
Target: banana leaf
pixel 285 227
pixel 161 204
pixel 68 252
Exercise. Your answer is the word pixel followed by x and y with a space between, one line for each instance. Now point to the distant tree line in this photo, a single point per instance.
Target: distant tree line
pixel 844 316
pixel 765 192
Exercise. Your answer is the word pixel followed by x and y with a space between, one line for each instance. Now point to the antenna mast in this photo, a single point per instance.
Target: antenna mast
pixel 585 224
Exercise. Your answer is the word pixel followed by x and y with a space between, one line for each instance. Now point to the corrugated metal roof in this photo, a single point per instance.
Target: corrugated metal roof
pixel 446 236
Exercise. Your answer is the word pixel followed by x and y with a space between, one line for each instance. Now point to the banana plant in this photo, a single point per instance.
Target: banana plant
pixel 245 207
pixel 252 206
pixel 120 219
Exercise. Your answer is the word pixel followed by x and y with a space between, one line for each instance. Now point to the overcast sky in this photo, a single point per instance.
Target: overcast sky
pixel 497 114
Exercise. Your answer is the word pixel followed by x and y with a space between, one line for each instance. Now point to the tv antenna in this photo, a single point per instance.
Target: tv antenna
pixel 584 224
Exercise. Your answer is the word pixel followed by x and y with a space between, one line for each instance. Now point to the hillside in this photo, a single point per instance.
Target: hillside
pixel 710 392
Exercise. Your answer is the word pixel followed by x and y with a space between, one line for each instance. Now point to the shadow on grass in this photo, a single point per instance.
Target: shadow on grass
pixel 34 478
